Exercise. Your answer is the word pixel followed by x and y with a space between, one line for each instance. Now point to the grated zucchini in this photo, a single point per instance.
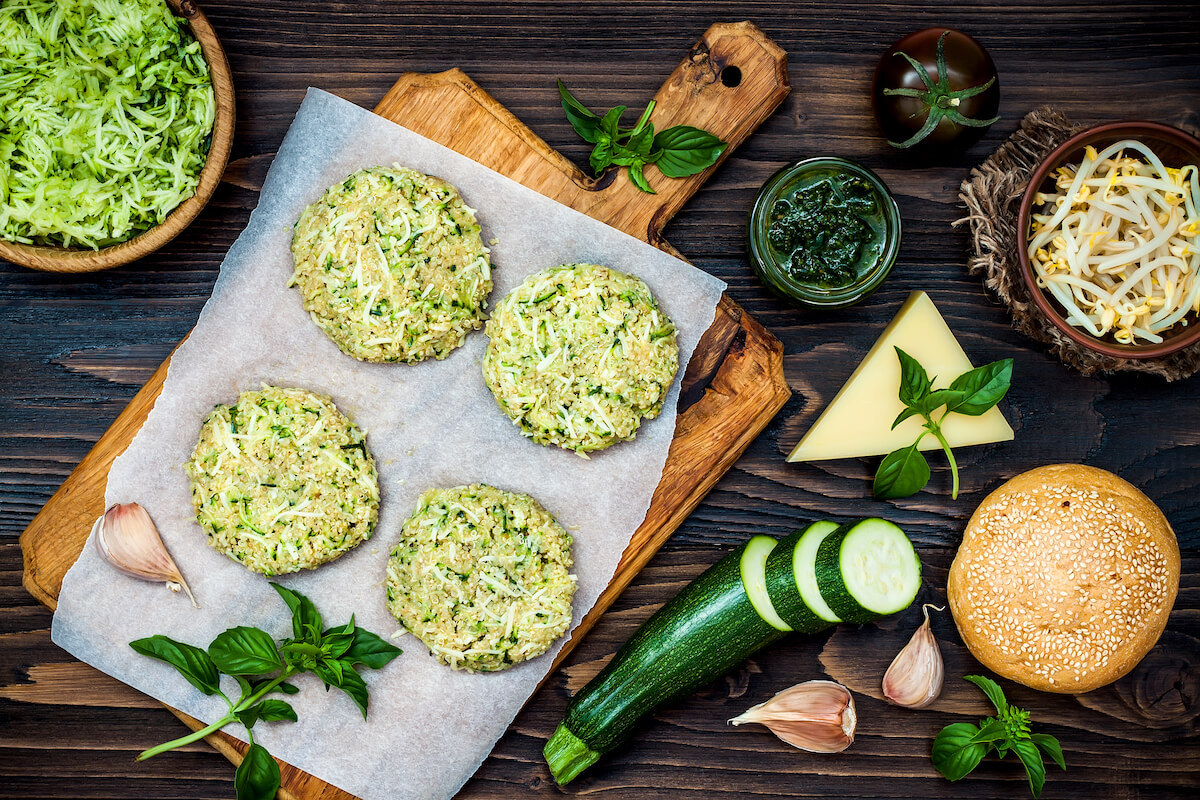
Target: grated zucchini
pixel 106 117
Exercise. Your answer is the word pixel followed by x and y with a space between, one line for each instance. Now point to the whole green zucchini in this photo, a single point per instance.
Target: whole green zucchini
pixel 705 631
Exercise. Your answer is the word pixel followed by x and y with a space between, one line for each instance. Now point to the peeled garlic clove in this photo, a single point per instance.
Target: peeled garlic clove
pixel 914 680
pixel 817 716
pixel 126 538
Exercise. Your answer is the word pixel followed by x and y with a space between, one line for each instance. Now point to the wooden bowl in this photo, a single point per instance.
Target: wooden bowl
pixel 1175 148
pixel 66 259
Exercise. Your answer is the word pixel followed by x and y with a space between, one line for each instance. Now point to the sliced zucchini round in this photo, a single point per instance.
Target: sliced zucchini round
pixel 868 570
pixel 782 585
pixel 754 580
pixel 804 563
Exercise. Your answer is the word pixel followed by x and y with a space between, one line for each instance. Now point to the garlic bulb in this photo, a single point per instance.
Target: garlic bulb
pixel 914 680
pixel 126 538
pixel 817 716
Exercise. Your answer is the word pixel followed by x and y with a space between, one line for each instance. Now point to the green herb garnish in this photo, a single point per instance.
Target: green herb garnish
pixel 905 471
pixel 678 151
pixel 958 748
pixel 260 666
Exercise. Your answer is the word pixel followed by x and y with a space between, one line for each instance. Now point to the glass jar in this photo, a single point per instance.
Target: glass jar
pixel 875 258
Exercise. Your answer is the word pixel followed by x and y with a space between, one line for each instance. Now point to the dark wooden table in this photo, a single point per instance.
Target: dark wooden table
pixel 75 349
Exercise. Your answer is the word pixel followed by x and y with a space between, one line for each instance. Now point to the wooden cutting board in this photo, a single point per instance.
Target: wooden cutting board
pixel 728 83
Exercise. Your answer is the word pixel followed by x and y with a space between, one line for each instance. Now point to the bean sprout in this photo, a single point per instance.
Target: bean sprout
pixel 1120 249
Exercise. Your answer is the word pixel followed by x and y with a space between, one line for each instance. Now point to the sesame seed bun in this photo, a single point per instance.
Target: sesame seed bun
pixel 1065 578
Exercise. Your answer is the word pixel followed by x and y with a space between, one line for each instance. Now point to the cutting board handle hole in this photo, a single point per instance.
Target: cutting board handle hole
pixel 731 76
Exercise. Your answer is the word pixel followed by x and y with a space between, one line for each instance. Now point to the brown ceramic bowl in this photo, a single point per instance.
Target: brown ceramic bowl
pixel 70 259
pixel 1176 148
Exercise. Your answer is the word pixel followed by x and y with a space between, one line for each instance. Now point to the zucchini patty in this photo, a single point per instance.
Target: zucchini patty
pixel 282 481
pixel 391 266
pixel 482 577
pixel 578 355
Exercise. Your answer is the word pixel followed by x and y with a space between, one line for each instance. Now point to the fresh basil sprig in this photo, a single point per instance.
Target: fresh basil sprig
pixel 958 748
pixel 260 666
pixel 905 471
pixel 678 151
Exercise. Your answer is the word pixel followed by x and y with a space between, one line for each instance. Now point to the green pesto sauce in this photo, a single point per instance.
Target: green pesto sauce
pixel 828 229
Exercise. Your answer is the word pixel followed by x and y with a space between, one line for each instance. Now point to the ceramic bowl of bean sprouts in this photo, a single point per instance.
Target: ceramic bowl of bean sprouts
pixel 1111 249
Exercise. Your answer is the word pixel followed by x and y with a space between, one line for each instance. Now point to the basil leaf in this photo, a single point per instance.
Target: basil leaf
pixel 602 153
pixel 301 655
pixel 249 687
pixel 914 380
pixel 990 730
pixel 991 689
pixel 908 411
pixel 902 473
pixel 306 620
pixel 634 151
pixel 245 651
pixel 954 754
pixel 189 661
pixel 1050 746
pixel 585 123
pixel 248 716
pixel 353 685
pixel 335 641
pixel 982 387
pixel 335 669
pixel 642 140
pixel 257 777
pixel 349 627
pixel 273 710
pixel 639 178
pixel 611 121
pixel 370 650
pixel 341 675
pixel 683 150
pixel 936 399
pixel 336 644
pixel 270 710
pixel 1035 767
pixel 623 157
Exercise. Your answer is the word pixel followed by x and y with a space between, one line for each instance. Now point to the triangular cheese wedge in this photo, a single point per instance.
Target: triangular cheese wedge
pixel 858 420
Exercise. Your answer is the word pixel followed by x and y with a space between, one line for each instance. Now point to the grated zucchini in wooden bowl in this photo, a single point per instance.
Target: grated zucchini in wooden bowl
pixel 116 120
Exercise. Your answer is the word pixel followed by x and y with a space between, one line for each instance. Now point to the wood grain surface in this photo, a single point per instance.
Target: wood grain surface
pixel 76 348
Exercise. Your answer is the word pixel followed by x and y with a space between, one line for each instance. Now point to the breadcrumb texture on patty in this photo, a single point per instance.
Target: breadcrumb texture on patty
pixel 482 577
pixel 283 481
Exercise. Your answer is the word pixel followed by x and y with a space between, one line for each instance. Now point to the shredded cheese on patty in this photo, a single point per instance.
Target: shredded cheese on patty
pixel 390 264
pixel 482 577
pixel 579 355
pixel 283 481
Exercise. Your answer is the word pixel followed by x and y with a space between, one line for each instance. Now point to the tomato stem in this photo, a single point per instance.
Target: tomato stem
pixel 940 100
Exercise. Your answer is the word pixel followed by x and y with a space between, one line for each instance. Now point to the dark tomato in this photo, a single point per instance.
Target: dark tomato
pixel 968 66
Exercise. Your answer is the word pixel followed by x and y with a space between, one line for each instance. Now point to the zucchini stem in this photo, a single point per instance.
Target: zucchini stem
pixel 567 755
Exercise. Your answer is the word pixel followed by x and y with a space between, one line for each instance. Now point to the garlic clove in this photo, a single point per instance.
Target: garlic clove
pixel 914 680
pixel 126 538
pixel 817 716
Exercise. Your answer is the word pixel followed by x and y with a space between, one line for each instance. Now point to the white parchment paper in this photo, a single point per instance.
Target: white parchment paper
pixel 432 424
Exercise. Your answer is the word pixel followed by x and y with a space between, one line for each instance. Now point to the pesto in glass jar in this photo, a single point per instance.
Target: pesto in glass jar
pixel 824 232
